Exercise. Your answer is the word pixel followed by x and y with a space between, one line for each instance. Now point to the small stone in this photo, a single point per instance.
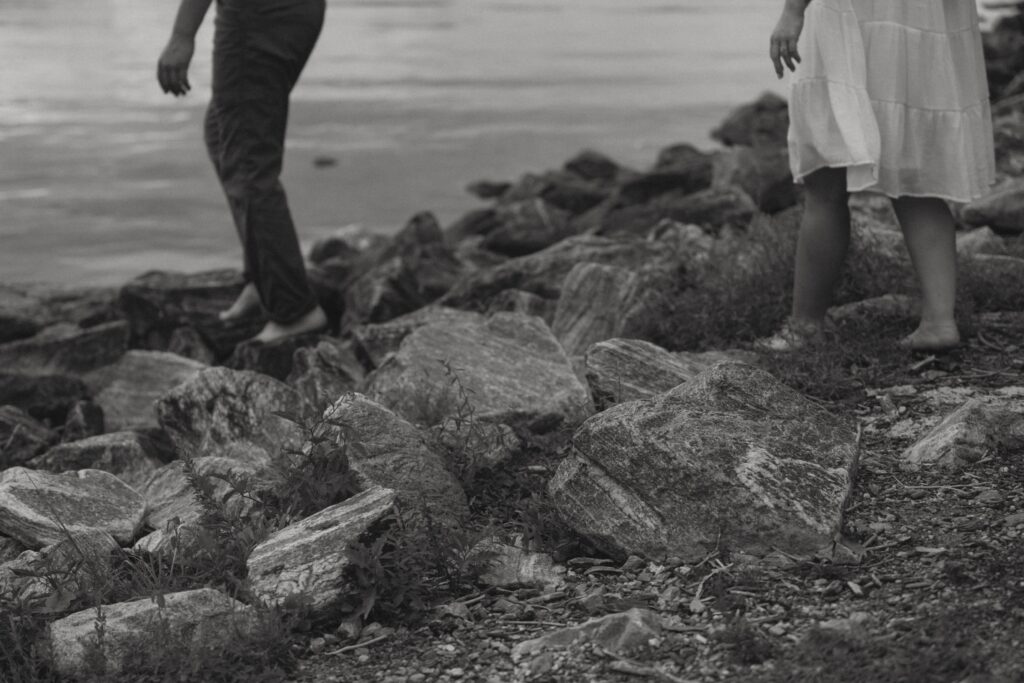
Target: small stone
pixel 990 497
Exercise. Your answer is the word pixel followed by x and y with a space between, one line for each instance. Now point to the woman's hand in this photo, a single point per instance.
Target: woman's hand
pixel 172 69
pixel 785 37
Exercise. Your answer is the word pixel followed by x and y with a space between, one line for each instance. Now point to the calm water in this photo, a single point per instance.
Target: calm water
pixel 103 177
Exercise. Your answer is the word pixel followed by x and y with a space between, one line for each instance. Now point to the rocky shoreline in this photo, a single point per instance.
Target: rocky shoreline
pixel 526 390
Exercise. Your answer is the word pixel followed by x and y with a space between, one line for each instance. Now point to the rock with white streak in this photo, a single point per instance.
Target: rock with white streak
pixel 128 455
pixel 594 305
pixel 382 339
pixel 169 496
pixel 127 390
pixel 731 458
pixel 619 633
pixel 236 413
pixel 325 372
pixel 395 455
pixel 310 558
pixel 39 508
pixel 510 367
pixel 620 370
pixel 199 615
pixel 968 434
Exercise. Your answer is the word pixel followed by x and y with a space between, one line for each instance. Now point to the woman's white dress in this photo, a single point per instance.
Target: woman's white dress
pixel 896 92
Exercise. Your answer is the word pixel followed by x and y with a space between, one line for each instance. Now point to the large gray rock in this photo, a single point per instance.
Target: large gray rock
pixel 127 455
pixel 543 272
pixel 200 615
pixel 1002 210
pixel 44 397
pixel 393 454
pixel 326 371
pixel 80 562
pixel 764 121
pixel 731 458
pixel 39 508
pixel 66 349
pixel 594 305
pixel 526 303
pixel 379 340
pixel 276 358
pixel 169 496
pixel 618 633
pixel 526 227
pixel 27 309
pixel 511 368
pixel 310 558
pixel 232 412
pixel 980 241
pixel 968 434
pixel 621 370
pixel 127 390
pixel 21 437
pixel 762 172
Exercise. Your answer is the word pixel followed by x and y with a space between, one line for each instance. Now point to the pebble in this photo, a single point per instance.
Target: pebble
pixel 1016 519
pixel 990 497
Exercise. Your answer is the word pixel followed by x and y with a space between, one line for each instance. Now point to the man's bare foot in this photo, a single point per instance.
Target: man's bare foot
pixel 313 321
pixel 932 337
pixel 247 303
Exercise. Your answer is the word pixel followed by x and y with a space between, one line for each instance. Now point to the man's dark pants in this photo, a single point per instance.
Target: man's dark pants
pixel 260 48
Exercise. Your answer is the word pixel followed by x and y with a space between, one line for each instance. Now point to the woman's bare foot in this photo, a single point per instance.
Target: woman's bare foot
pixel 932 337
pixel 247 303
pixel 313 321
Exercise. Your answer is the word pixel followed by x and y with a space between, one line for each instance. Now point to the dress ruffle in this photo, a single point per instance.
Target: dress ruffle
pixel 895 92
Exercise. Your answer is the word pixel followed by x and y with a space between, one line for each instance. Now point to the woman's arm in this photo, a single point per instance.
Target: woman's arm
pixel 172 69
pixel 786 34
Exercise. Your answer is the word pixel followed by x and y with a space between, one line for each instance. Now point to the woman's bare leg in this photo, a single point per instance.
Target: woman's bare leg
pixel 930 234
pixel 822 245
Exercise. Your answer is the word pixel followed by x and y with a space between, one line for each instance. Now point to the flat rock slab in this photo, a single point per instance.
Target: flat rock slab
pixel 21 436
pixel 127 455
pixel 310 558
pixel 511 368
pixel 394 455
pixel 619 633
pixel 169 496
pixel 127 390
pixel 971 432
pixel 202 614
pixel 66 349
pixel 620 370
pixel 37 507
pixel 731 458
pixel 234 413
pixel 380 340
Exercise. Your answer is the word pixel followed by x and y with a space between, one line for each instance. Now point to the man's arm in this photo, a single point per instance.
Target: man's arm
pixel 172 69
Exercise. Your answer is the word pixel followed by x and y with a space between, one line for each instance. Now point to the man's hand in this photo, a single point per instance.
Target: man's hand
pixel 172 69
pixel 784 41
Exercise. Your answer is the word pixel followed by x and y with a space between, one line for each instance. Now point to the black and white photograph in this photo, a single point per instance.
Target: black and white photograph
pixel 511 341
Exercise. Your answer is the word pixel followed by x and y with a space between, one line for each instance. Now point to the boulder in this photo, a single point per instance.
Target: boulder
pixel 594 305
pixel 127 455
pixel 346 243
pixel 713 209
pixel 1002 211
pixel 127 390
pixel 526 227
pixel 763 173
pixel 968 434
pixel 980 241
pixel 311 558
pixel 39 508
pixel 81 563
pixel 170 498
pixel 591 165
pixel 159 302
pixel 621 370
pixel 543 272
pixel 474 444
pixel 476 223
pixel 232 412
pixel 187 342
pixel 620 634
pixel 326 371
pixel 510 368
pixel 762 122
pixel 275 358
pixel 199 615
pixel 21 437
pixel 685 171
pixel 730 459
pixel 379 341
pixel 44 397
pixel 27 309
pixel 525 303
pixel 393 454
pixel 488 189
pixel 84 419
pixel 66 349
